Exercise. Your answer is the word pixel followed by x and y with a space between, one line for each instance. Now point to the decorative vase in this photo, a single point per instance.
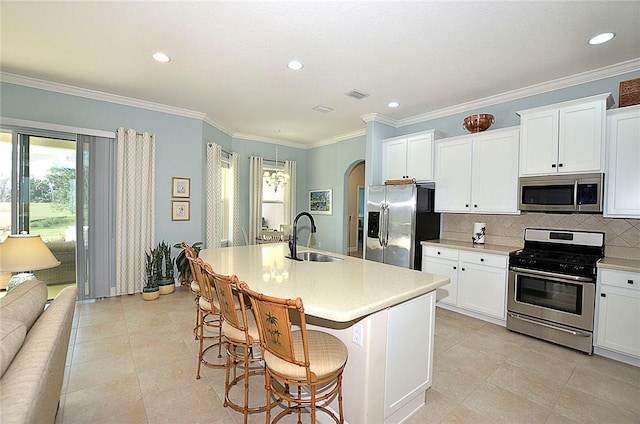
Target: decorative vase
pixel 151 293
pixel 478 123
pixel 166 286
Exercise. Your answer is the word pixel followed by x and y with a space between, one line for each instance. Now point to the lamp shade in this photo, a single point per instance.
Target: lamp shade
pixel 25 252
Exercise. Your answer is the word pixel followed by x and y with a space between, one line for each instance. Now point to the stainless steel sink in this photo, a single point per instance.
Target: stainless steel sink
pixel 317 257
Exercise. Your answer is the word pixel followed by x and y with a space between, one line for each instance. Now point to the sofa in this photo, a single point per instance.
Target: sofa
pixel 33 351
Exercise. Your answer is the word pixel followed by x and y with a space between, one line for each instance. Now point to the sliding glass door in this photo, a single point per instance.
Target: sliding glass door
pixel 50 192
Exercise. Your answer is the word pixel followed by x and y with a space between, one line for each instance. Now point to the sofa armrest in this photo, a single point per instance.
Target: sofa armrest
pixel 30 388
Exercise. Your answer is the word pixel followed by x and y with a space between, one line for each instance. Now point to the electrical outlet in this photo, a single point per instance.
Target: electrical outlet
pixel 357 334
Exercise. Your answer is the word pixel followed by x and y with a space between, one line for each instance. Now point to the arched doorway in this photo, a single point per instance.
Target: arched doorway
pixel 355 210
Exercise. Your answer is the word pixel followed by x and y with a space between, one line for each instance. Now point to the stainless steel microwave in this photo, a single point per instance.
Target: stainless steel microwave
pixel 562 193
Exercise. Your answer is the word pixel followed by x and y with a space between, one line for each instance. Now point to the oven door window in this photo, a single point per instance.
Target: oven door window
pixel 559 296
pixel 550 195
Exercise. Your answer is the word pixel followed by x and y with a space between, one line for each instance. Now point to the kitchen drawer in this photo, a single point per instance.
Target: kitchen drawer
pixel 624 279
pixel 497 261
pixel 438 252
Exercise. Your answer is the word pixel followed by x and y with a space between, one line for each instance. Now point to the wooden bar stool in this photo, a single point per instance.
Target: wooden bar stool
pixel 208 316
pixel 194 286
pixel 241 335
pixel 299 359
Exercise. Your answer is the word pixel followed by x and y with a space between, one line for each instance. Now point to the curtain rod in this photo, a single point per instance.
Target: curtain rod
pixel 223 151
pixel 274 161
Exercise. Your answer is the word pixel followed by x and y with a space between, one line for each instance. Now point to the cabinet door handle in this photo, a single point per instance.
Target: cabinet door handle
pixel 553 165
pixel 438 253
pixel 603 295
pixel 463 269
pixel 466 206
pixel 475 206
pixel 481 259
pixel 455 267
pixel 559 165
pixel 629 281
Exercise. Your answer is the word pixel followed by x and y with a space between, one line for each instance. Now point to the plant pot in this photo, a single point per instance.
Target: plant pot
pixel 150 293
pixel 166 286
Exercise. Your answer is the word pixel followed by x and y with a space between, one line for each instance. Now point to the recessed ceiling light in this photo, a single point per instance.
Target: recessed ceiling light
pixel 161 57
pixel 295 65
pixel 601 38
pixel 393 104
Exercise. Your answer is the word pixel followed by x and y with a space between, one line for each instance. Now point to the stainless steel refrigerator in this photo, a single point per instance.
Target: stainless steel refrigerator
pixel 399 217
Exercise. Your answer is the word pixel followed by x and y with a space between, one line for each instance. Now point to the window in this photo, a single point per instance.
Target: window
pixel 5 184
pixel 272 205
pixel 226 203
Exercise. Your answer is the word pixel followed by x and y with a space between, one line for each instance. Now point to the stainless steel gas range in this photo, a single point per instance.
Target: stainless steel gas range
pixel 552 286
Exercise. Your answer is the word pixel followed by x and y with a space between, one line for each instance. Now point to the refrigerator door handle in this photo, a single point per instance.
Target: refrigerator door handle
pixel 386 225
pixel 380 223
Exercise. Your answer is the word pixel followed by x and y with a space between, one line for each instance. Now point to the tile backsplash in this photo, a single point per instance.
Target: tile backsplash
pixel 622 236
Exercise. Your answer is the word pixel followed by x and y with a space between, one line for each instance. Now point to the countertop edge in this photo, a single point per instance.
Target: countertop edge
pixel 357 314
pixel 495 249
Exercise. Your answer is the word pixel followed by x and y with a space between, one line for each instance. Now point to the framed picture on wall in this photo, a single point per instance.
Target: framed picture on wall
pixel 180 187
pixel 320 202
pixel 180 210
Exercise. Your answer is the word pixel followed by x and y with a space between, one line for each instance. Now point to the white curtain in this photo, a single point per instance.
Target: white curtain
pixel 234 163
pixel 135 207
pixel 255 197
pixel 214 230
pixel 290 192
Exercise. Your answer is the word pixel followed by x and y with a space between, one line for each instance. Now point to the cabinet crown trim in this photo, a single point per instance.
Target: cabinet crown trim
pixel 606 97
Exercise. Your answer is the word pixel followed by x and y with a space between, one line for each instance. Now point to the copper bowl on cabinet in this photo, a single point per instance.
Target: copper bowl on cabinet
pixel 477 123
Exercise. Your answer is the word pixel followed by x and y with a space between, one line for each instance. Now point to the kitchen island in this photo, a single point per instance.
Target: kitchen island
pixel 385 315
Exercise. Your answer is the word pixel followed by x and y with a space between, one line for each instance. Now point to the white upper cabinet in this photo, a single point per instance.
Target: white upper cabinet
pixel 564 138
pixel 409 156
pixel 478 173
pixel 453 175
pixel 623 163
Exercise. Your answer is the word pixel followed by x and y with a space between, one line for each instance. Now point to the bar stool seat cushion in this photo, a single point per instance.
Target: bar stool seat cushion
pixel 327 354
pixel 233 333
pixel 195 287
pixel 205 305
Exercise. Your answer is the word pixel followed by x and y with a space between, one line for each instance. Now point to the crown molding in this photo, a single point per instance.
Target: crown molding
pixel 251 137
pixel 97 95
pixel 338 138
pixel 545 87
pixel 218 126
pixel 585 77
pixel 378 117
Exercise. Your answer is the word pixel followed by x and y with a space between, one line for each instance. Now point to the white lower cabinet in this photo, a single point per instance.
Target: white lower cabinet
pixel 443 262
pixel 482 283
pixel 478 280
pixel 618 326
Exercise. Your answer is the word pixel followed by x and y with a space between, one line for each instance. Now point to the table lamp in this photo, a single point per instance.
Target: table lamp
pixel 24 253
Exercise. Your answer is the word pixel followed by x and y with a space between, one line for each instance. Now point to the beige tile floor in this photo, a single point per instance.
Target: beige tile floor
pixel 132 361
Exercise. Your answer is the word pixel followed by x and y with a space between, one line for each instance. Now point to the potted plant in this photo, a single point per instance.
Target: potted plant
pixel 150 290
pixel 162 254
pixel 182 263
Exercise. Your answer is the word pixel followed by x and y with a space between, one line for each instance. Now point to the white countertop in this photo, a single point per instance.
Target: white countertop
pixel 496 249
pixel 620 264
pixel 339 291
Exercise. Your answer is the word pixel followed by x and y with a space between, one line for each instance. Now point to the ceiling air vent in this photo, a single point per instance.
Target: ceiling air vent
pixel 323 109
pixel 358 95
